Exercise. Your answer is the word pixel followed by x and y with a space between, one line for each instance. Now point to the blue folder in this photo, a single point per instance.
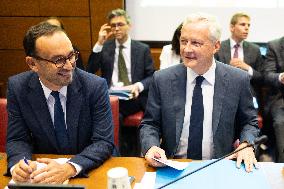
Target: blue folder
pixel 221 175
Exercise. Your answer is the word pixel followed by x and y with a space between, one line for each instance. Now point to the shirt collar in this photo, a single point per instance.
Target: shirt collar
pixel 126 44
pixel 209 75
pixel 47 91
pixel 232 43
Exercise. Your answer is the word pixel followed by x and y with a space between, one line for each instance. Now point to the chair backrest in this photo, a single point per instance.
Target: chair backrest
pixel 115 116
pixel 3 123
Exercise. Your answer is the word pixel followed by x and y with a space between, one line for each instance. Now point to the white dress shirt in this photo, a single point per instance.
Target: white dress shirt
pixel 207 93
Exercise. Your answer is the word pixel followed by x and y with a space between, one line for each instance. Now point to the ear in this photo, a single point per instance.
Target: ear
pixel 217 46
pixel 31 63
pixel 232 28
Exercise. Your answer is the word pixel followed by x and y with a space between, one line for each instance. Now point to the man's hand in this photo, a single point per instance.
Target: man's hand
pixel 104 34
pixel 134 89
pixel 22 171
pixel 156 152
pixel 53 173
pixel 247 156
pixel 282 78
pixel 238 63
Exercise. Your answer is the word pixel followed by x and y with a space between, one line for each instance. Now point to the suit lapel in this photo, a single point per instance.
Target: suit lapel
pixel 246 52
pixel 282 48
pixel 179 97
pixel 73 109
pixel 133 58
pixel 39 106
pixel 220 87
pixel 227 51
pixel 111 54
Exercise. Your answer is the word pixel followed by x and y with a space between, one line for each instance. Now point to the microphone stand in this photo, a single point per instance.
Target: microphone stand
pixel 215 161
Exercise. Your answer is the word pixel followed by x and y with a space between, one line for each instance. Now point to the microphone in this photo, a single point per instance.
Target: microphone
pixel 257 141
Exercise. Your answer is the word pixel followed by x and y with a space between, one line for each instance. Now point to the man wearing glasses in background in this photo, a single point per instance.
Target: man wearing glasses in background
pixel 123 62
pixel 56 109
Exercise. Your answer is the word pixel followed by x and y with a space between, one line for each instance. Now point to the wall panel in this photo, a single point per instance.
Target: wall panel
pixel 14 29
pixel 19 8
pixel 78 29
pixel 64 8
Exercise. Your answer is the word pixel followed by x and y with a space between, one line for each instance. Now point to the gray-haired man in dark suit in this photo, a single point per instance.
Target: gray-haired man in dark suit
pixel 138 62
pixel 176 110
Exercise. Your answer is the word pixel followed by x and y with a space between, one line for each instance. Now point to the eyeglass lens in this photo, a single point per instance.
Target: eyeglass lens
pixel 72 58
pixel 119 24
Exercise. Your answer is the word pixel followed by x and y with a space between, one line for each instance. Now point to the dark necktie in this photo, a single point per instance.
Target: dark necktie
pixel 236 52
pixel 195 136
pixel 59 124
pixel 122 70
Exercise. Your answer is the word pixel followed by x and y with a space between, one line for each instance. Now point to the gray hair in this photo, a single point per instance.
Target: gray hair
pixel 213 25
pixel 118 12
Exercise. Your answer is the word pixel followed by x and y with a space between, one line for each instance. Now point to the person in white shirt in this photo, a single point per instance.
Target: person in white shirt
pixel 170 53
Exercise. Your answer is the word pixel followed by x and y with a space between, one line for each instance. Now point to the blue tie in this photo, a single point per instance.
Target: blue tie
pixel 59 124
pixel 195 136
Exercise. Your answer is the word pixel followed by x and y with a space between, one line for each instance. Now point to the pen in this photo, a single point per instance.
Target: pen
pixel 26 161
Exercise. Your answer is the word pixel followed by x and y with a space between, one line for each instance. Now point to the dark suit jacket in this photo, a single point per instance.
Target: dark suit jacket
pixel 232 103
pixel 142 67
pixel 88 118
pixel 252 57
pixel 273 66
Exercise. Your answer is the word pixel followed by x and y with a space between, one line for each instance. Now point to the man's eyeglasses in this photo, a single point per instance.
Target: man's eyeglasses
pixel 61 61
pixel 119 25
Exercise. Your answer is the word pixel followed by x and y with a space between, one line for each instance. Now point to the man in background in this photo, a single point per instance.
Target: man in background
pixel 242 54
pixel 124 63
pixel 274 77
pixel 197 109
pixel 56 108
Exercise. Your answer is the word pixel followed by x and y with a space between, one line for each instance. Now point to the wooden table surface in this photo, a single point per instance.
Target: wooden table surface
pixel 136 167
pixel 98 177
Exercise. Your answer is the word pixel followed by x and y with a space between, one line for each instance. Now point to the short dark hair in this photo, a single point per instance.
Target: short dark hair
pixel 118 12
pixel 36 31
pixel 175 40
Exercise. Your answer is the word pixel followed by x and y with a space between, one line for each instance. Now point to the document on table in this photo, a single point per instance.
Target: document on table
pixel 221 175
pixel 173 164
pixel 42 165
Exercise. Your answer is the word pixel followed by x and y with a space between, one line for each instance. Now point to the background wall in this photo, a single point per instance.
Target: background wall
pixel 161 17
pixel 82 20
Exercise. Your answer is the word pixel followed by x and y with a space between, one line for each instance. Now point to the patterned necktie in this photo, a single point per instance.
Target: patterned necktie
pixel 122 70
pixel 236 52
pixel 195 136
pixel 59 124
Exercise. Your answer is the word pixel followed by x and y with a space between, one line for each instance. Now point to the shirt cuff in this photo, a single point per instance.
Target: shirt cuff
pixel 250 71
pixel 11 169
pixel 140 86
pixel 77 167
pixel 280 76
pixel 97 48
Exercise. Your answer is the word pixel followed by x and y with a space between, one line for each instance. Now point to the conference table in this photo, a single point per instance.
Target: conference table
pixel 136 167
